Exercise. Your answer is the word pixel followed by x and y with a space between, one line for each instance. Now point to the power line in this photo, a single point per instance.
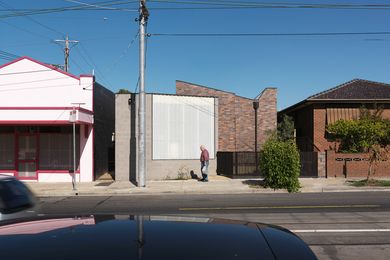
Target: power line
pixel 33 20
pixel 25 72
pixel 95 66
pixel 43 87
pixel 267 34
pixel 25 30
pixel 274 5
pixel 100 6
pixel 212 5
pixel 77 65
pixel 65 9
pixel 32 81
pixel 85 59
pixel 7 56
pixel 123 52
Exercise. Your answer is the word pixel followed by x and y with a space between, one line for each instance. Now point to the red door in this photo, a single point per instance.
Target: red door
pixel 27 156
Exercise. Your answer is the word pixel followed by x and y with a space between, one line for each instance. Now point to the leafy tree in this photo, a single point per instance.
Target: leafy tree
pixel 123 91
pixel 370 134
pixel 374 114
pixel 280 164
pixel 285 129
pixel 377 153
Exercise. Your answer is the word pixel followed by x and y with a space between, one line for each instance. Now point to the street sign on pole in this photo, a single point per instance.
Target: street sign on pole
pixel 72 119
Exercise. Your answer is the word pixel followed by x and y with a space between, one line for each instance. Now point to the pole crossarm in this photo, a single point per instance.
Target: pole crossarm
pixel 68 45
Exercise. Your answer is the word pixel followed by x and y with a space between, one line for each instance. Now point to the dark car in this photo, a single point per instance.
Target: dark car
pixel 151 237
pixel 16 200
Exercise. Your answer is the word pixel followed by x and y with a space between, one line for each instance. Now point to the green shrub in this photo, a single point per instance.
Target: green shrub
pixel 280 164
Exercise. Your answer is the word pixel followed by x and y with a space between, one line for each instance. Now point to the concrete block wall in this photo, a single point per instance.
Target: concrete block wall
pixel 122 137
pixel 126 143
pixel 321 164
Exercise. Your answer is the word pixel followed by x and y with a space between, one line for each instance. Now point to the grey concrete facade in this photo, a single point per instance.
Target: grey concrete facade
pixel 126 132
pixel 122 137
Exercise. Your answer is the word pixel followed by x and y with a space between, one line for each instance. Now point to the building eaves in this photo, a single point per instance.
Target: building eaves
pixel 198 85
pixel 223 91
pixel 262 92
pixel 322 97
pixel 167 94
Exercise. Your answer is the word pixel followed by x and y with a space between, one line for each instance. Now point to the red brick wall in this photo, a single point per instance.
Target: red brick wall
pixel 245 124
pixel 236 116
pixel 319 126
pixel 267 112
pixel 336 168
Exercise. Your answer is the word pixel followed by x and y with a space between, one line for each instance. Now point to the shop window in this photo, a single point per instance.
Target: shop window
pixel 56 150
pixel 26 129
pixel 7 151
pixel 57 129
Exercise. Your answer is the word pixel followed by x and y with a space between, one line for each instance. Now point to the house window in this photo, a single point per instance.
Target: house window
pixel 56 148
pixel 180 125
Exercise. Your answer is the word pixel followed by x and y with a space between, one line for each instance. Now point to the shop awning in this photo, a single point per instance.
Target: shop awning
pixel 44 115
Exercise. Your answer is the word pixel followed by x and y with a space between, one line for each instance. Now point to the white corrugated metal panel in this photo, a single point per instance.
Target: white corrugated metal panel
pixel 180 125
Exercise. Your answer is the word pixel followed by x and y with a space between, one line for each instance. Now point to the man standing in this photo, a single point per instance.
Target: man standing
pixel 204 163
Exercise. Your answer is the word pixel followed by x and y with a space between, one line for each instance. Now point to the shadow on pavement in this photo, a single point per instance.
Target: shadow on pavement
pixel 254 183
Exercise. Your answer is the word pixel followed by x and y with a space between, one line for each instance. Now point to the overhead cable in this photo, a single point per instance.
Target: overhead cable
pixel 267 34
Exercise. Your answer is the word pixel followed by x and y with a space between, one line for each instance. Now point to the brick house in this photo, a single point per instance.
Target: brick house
pixel 312 115
pixel 176 125
pixel 236 127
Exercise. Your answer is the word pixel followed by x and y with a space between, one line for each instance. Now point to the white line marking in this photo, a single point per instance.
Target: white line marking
pixel 282 207
pixel 338 230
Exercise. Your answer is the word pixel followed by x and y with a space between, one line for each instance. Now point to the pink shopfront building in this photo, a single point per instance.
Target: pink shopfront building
pixel 37 103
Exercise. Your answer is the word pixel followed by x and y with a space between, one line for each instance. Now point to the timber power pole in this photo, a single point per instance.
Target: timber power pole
pixel 68 44
pixel 143 19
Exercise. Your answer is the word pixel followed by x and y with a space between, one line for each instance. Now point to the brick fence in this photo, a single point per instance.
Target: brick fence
pixel 353 165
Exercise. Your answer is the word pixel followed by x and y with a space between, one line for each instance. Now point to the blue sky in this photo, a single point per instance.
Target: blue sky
pixel 298 66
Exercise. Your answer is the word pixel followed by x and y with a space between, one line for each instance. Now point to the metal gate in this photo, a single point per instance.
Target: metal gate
pixel 309 164
pixel 237 164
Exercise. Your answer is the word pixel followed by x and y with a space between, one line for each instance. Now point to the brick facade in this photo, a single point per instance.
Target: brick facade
pixel 236 116
pixel 319 129
pixel 311 117
pixel 311 122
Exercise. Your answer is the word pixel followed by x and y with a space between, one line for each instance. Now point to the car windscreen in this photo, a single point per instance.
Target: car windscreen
pixel 14 196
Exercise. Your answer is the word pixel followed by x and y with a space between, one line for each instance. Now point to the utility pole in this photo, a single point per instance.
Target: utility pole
pixel 68 45
pixel 143 19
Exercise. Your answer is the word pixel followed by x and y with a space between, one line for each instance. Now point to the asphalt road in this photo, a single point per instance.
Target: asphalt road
pixel 335 225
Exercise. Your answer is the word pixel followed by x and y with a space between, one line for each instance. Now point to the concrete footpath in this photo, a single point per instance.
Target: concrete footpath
pixel 216 185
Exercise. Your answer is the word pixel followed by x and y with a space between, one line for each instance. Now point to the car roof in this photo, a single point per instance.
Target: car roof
pixel 143 237
pixel 4 177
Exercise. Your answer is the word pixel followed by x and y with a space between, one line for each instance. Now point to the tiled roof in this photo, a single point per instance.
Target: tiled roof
pixel 357 89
